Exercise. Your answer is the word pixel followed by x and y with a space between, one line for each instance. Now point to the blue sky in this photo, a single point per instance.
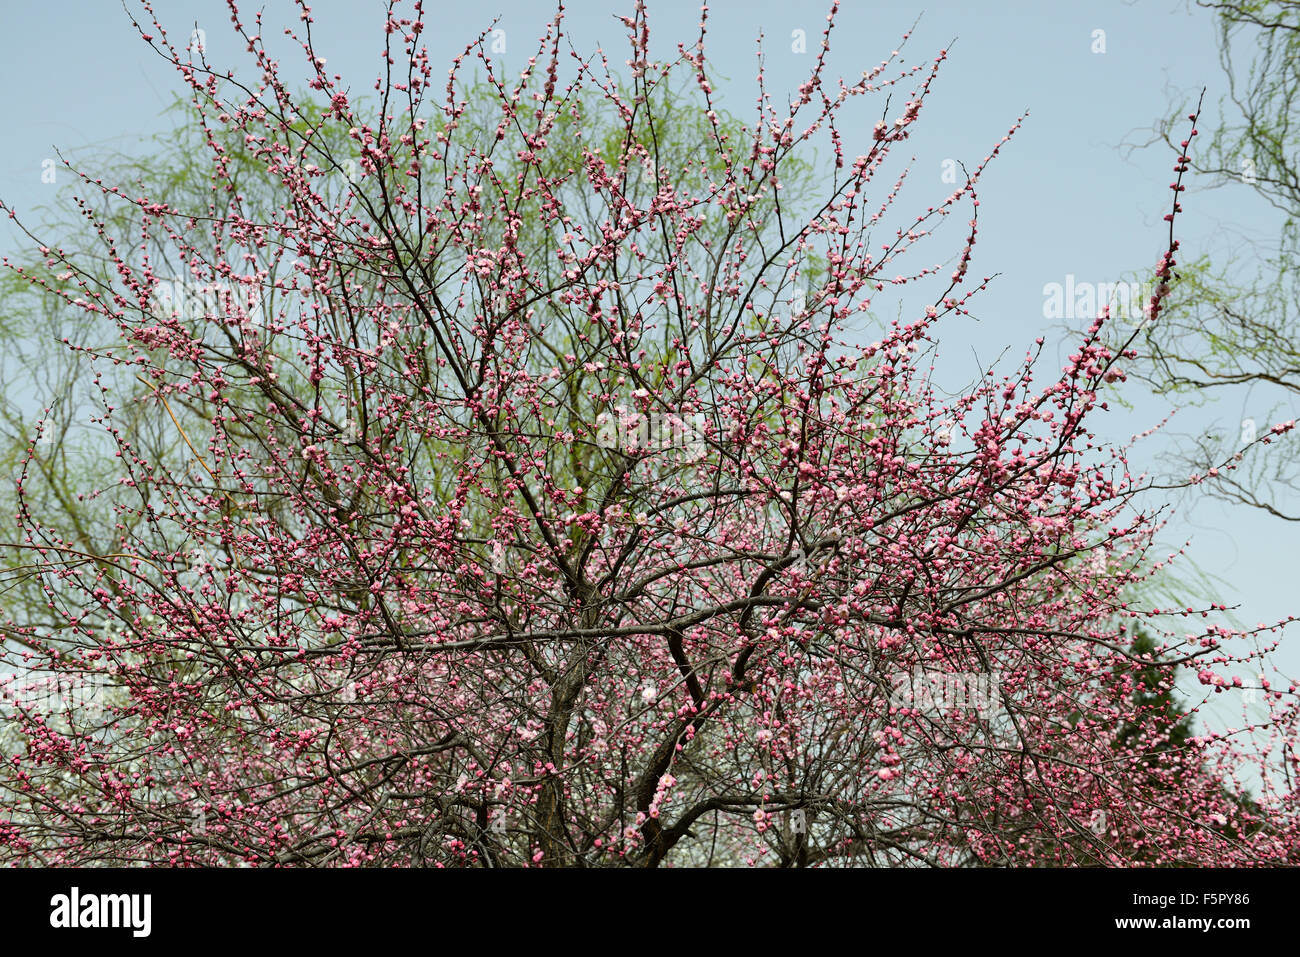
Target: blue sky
pixel 1063 198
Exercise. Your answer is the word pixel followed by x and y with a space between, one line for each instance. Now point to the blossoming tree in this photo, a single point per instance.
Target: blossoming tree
pixel 545 490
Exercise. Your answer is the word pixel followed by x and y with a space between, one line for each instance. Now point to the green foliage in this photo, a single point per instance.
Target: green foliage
pixel 1153 699
pixel 1232 319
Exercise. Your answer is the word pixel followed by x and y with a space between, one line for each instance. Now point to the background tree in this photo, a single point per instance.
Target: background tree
pixel 1230 323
